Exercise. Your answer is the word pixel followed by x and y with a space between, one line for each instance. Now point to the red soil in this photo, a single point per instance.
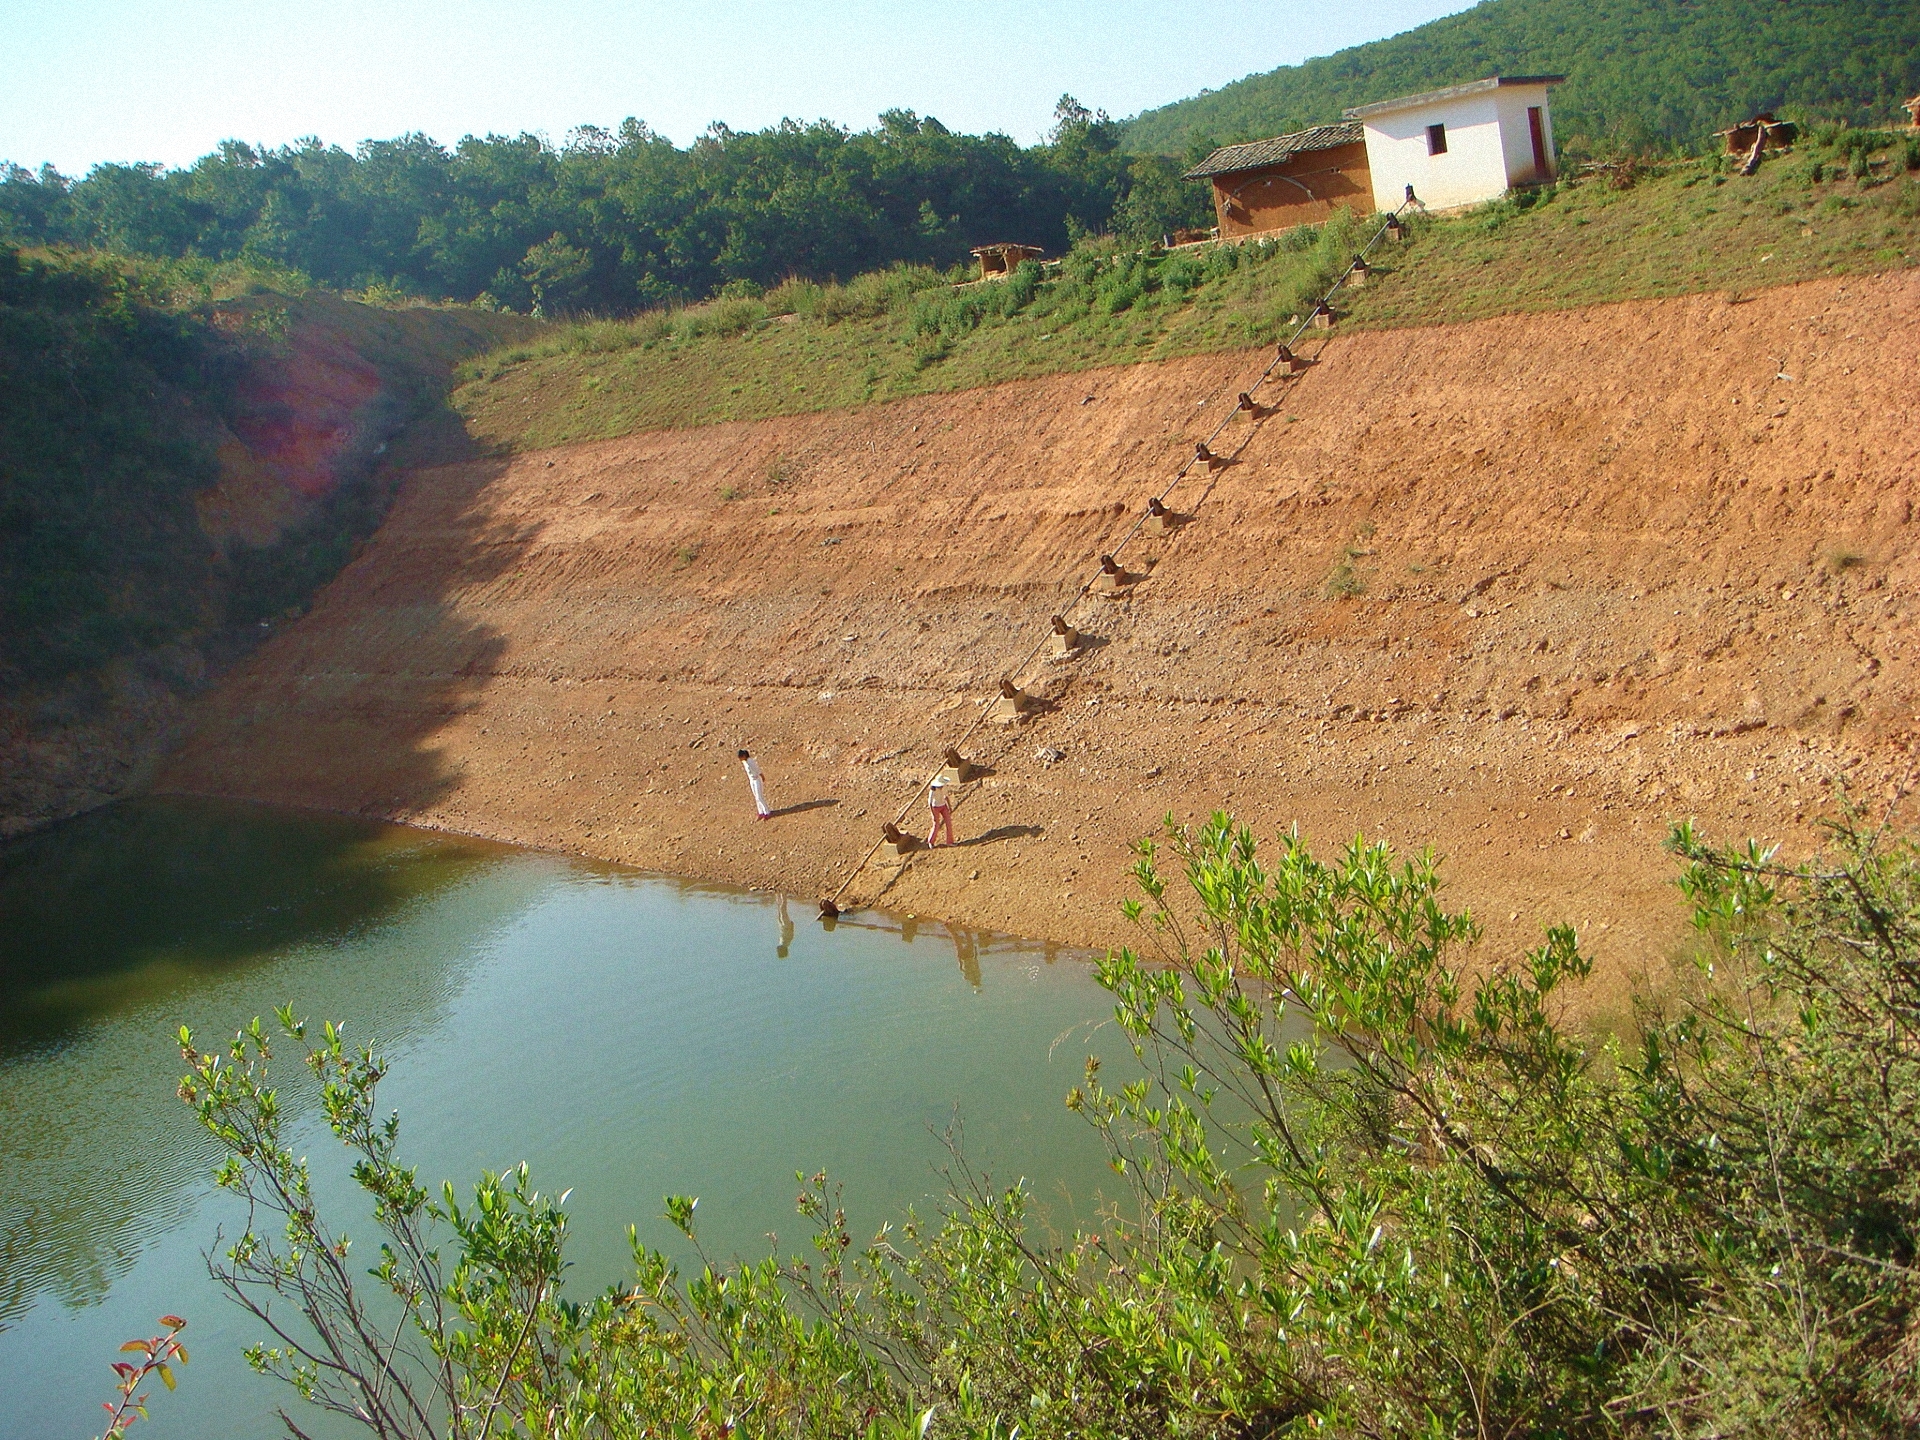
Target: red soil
pixel 1614 567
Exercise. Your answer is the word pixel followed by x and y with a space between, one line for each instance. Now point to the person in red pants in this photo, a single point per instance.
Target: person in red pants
pixel 942 808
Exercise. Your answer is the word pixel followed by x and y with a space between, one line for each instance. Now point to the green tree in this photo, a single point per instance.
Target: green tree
pixel 1379 1187
pixel 554 270
pixel 101 549
pixel 1158 201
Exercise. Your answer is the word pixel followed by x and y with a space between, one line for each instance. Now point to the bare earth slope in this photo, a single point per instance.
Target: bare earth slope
pixel 1602 569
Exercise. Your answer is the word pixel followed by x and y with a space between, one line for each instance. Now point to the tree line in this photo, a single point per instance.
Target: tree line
pixel 611 221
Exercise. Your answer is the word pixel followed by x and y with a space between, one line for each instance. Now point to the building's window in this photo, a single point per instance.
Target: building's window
pixel 1436 139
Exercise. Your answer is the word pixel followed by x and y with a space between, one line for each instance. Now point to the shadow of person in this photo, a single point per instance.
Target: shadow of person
pixel 804 805
pixel 1002 832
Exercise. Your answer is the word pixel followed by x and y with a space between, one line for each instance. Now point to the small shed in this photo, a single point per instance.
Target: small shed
pixel 1912 107
pixel 1461 145
pixel 1289 180
pixel 998 261
pixel 1771 134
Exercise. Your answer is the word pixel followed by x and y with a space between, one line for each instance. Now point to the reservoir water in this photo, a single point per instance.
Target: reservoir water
pixel 626 1034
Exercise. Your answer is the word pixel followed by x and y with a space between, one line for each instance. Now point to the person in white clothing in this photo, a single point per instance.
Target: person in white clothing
pixel 942 809
pixel 759 784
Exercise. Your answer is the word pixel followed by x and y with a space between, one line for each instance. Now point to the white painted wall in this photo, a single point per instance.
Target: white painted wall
pixel 1516 137
pixel 1489 149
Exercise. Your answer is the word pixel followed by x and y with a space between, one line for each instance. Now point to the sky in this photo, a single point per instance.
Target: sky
pixel 141 80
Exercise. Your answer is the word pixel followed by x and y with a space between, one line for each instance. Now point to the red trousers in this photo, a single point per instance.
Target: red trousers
pixel 942 820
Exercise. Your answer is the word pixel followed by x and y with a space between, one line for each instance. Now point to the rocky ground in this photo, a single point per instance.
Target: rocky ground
pixel 1525 590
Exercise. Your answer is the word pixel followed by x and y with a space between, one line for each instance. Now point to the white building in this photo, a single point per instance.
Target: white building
pixel 1461 145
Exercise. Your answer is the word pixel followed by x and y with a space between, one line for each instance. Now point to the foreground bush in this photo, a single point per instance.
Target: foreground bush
pixel 1372 1195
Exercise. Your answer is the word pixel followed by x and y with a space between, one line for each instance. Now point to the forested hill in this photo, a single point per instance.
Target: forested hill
pixel 614 221
pixel 1641 74
pixel 611 221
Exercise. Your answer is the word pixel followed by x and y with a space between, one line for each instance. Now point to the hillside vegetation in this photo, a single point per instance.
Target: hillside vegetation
pixel 100 548
pixel 1686 227
pixel 902 332
pixel 611 221
pixel 1373 1184
pixel 1641 74
pixel 130 395
pixel 187 451
pixel 614 221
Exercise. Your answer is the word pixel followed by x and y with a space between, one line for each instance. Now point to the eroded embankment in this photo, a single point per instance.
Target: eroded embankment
pixel 1525 590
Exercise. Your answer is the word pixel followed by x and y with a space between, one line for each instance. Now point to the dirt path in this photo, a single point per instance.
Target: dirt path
pixel 1525 590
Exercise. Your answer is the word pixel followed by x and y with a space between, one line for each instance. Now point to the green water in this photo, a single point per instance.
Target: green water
pixel 628 1035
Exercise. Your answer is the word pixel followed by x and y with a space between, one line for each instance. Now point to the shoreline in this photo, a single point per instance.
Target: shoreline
pixel 1524 590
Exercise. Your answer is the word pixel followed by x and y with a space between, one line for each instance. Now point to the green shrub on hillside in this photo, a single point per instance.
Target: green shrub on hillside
pixel 915 317
pixel 1379 1187
pixel 103 406
pixel 118 378
pixel 1632 230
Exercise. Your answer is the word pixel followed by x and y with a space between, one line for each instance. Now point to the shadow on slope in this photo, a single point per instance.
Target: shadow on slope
pixel 339 710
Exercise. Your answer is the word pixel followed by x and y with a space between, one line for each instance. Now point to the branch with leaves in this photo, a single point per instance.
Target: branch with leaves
pixel 158 1355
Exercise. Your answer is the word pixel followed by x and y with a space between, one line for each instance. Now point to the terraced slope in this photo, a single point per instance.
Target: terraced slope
pixel 1524 589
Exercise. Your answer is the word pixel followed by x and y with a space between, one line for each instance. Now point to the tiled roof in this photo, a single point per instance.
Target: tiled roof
pixel 1256 153
pixel 1452 92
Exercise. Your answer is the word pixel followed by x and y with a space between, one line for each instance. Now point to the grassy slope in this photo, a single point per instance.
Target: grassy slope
pixel 1681 230
pixel 414 350
pixel 1639 72
pixel 614 379
pixel 1689 227
pixel 103 402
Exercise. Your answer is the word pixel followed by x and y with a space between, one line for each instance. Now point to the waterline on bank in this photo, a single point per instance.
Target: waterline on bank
pixel 628 1034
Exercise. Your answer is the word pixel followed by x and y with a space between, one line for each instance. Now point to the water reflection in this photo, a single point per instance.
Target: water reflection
pixel 627 1034
pixel 136 900
pixel 170 908
pixel 968 945
pixel 967 951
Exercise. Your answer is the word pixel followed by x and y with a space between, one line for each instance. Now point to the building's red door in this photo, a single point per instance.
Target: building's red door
pixel 1537 128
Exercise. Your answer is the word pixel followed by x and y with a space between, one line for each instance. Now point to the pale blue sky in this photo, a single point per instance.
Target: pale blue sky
pixel 93 80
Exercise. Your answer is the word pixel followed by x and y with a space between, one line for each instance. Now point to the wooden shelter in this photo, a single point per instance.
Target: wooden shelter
pixel 997 261
pixel 1289 180
pixel 1771 134
pixel 1912 107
